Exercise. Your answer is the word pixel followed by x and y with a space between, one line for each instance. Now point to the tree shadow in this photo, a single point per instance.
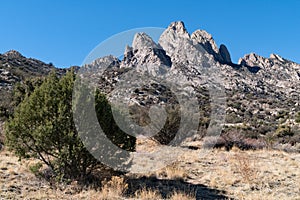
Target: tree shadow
pixel 166 188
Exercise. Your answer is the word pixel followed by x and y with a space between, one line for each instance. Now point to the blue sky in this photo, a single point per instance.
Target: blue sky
pixel 64 32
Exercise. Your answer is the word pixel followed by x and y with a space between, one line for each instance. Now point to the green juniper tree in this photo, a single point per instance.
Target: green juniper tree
pixel 42 127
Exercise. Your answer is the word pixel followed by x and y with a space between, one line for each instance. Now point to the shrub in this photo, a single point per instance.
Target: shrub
pixel 171 127
pixel 233 138
pixel 108 124
pixel 284 130
pixel 35 168
pixel 42 127
pixel 298 117
pixel 282 114
pixel 182 195
pixel 233 118
pixel 245 166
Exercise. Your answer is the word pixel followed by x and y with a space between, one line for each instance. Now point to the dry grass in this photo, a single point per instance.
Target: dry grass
pixel 182 196
pixel 172 172
pixel 245 166
pixel 113 188
pixel 147 194
pixel 261 174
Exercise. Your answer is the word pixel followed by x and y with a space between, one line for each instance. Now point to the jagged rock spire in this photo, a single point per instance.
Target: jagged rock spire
pixel 224 53
pixel 208 43
pixel 144 53
pixel 142 40
pixel 173 37
pixel 179 28
pixel 206 39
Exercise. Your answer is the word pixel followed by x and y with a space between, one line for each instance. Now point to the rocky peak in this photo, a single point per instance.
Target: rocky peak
pixel 178 28
pixel 107 61
pixel 142 40
pixel 13 54
pixel 276 57
pixel 175 31
pixel 144 53
pixel 207 41
pixel 174 38
pixel 252 59
pixel 274 63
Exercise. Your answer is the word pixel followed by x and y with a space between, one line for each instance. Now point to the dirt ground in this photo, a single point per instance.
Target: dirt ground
pixel 197 174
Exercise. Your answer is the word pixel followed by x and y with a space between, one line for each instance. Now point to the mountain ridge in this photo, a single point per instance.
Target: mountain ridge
pixel 262 93
pixel 16 68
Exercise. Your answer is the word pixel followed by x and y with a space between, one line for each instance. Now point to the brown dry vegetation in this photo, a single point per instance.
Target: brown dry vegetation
pixel 198 174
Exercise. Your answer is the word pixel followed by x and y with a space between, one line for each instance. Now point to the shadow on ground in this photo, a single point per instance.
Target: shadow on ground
pixel 167 187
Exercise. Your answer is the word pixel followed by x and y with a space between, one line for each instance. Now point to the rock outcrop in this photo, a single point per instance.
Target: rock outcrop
pixel 172 38
pixel 13 54
pixel 206 40
pixel 145 53
pixel 224 54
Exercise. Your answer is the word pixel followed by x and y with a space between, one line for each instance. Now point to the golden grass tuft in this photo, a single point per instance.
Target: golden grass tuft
pixel 113 188
pixel 147 194
pixel 172 172
pixel 182 196
pixel 245 166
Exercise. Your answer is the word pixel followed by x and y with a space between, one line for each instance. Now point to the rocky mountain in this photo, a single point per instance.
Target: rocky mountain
pixel 260 95
pixel 14 68
pixel 255 100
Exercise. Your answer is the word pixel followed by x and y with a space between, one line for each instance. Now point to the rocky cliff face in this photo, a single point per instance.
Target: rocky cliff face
pixel 185 54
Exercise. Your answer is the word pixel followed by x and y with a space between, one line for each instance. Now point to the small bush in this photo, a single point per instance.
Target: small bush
pixel 35 168
pixel 284 130
pixel 245 166
pixel 231 139
pixel 233 118
pixel 298 117
pixel 171 127
pixel 173 172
